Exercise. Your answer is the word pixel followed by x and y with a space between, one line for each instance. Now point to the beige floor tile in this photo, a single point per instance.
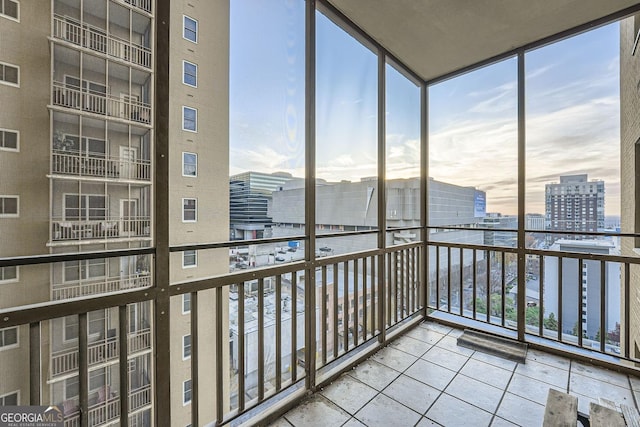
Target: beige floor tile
pixel 383 411
pixel 596 389
pixel 349 393
pixel 486 373
pixel 520 411
pixel 394 359
pixel 475 392
pixel 500 362
pixel 410 345
pixel 531 388
pixel 412 393
pixel 317 411
pixel 374 374
pixel 543 372
pixel 601 374
pixel 449 411
pixel 548 359
pixel 447 358
pixel 431 374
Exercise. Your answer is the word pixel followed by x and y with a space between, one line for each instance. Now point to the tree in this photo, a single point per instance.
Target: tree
pixel 551 322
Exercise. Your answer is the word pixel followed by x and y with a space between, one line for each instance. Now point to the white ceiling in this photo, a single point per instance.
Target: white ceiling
pixel 435 37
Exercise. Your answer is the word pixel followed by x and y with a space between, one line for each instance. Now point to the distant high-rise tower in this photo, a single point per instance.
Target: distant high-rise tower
pixel 574 204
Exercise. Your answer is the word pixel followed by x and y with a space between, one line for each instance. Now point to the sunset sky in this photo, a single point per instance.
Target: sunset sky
pixel 572 110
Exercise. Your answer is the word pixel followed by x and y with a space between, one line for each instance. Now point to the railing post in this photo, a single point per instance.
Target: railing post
pixel 310 196
pixel 521 298
pixel 424 197
pixel 382 209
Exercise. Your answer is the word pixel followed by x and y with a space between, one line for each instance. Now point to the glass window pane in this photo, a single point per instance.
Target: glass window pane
pixel 346 132
pixel 473 128
pixel 403 155
pixel 266 152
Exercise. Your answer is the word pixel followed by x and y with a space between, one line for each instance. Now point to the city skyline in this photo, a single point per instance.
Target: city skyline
pixel 572 101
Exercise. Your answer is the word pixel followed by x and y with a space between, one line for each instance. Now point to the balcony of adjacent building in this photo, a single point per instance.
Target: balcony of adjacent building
pixel 99 88
pixel 84 213
pixel 91 149
pixel 110 29
pixel 102 276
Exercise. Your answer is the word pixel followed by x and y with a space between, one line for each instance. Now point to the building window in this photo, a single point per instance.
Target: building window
pixel 9 207
pixel 189 119
pixel 189 259
pixel 9 74
pixel 8 140
pixel 186 392
pixel 186 303
pixel 189 164
pixel 86 269
pixel 8 338
pixel 189 73
pixel 190 29
pixel 8 274
pixel 83 207
pixel 186 347
pixel 10 399
pixel 10 9
pixel 189 210
pixel 96 324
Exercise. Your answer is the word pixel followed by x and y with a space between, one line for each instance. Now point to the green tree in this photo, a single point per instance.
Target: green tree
pixel 551 322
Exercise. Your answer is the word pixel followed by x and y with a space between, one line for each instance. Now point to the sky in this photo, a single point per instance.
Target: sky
pixel 572 110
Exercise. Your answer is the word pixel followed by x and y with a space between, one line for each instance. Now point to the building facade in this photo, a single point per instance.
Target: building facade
pixel 249 198
pixel 630 167
pixel 76 175
pixel 584 285
pixel 575 204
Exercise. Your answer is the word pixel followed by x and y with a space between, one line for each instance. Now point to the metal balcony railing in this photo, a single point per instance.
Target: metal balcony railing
pixel 98 40
pixel 115 284
pixel 126 107
pixel 108 411
pixel 140 4
pixel 279 330
pixel 74 163
pixel 104 350
pixel 107 228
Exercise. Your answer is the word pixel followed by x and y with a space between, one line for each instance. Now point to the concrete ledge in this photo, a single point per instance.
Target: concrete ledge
pixel 497 346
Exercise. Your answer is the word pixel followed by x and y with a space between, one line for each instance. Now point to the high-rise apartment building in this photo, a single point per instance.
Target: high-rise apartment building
pixel 575 204
pixel 76 175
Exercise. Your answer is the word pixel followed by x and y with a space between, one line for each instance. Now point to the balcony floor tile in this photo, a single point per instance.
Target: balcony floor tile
pixel 349 393
pixel 446 358
pixel 487 373
pixel 475 392
pixel 548 359
pixel 600 374
pixel 411 345
pixel 431 374
pixel 383 411
pixel 317 411
pixel 531 388
pixel 543 372
pixel 375 374
pixel 423 377
pixel 521 411
pixel 412 393
pixel 394 359
pixel 449 411
pixel 595 389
